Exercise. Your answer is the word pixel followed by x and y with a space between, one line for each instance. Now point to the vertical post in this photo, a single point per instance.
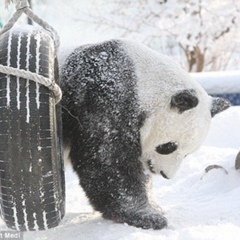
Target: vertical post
pixel 30 22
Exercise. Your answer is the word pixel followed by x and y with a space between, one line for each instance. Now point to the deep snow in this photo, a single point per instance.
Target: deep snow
pixel 198 205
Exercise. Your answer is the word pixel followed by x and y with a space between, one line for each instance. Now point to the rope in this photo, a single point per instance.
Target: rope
pixel 22 6
pixel 34 77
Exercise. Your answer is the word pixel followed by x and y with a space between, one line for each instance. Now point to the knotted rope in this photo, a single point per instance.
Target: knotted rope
pixel 22 6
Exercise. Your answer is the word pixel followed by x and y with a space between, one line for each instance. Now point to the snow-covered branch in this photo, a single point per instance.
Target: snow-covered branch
pixel 196 26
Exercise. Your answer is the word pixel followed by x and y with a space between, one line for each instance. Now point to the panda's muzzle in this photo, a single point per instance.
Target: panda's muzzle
pixel 150 166
pixel 163 174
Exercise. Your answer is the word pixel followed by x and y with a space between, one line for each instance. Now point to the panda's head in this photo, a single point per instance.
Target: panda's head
pixel 169 136
pixel 178 110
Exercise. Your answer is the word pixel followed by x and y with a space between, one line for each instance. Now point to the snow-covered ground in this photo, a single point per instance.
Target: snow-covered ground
pixel 198 205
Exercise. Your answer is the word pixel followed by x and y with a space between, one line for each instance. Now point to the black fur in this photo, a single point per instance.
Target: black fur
pixel 167 148
pixel 184 100
pixel 101 123
pixel 219 105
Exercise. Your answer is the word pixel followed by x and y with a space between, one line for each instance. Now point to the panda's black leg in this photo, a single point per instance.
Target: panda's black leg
pixel 116 187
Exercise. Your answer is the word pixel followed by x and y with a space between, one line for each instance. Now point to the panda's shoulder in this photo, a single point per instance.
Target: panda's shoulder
pixel 97 52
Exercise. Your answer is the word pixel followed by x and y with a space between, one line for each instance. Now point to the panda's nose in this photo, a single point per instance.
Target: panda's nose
pixel 163 174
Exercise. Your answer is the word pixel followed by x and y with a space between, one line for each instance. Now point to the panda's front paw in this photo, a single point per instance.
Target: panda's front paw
pixel 147 220
pixel 142 219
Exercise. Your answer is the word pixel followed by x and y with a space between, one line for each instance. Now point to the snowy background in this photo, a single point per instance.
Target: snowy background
pixel 198 205
pixel 201 35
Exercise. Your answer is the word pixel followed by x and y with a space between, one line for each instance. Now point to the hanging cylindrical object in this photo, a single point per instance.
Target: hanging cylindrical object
pixel 32 186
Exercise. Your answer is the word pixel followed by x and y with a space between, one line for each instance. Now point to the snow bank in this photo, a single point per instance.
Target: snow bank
pixel 219 82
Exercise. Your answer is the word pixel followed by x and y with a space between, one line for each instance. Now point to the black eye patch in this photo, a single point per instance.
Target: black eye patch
pixel 167 148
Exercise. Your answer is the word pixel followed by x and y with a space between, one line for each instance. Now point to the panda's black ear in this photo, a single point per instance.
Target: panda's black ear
pixel 219 105
pixel 184 100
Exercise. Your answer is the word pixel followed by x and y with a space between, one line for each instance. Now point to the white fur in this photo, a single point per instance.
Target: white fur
pixel 66 156
pixel 159 78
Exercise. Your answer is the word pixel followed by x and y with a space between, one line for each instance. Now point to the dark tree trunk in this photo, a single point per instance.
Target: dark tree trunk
pixel 195 60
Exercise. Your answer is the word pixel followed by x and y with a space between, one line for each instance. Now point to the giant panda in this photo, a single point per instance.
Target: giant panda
pixel 127 111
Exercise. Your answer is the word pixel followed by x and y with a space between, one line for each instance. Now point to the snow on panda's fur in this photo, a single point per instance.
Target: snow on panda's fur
pixel 127 109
